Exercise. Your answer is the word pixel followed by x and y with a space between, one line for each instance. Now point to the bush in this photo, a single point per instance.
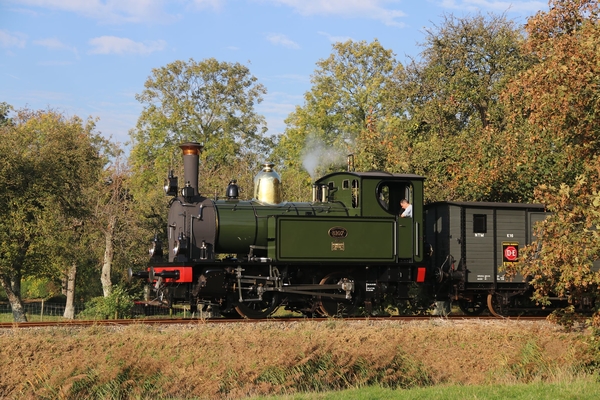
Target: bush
pixel 118 304
pixel 39 288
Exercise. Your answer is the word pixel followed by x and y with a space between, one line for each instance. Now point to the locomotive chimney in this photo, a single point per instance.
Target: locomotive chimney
pixel 191 157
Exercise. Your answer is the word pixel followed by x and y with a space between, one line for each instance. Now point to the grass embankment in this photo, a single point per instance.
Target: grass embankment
pixel 580 389
pixel 242 360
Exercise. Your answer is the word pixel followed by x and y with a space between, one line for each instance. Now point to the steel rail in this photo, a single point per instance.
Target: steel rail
pixel 203 321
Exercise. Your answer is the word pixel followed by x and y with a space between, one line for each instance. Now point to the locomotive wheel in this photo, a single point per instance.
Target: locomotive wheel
pixel 473 306
pixel 329 307
pixel 259 309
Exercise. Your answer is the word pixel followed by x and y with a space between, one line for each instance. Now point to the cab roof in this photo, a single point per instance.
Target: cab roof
pixel 375 174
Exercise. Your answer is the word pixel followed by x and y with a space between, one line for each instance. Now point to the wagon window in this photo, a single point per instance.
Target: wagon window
pixel 480 223
pixel 345 184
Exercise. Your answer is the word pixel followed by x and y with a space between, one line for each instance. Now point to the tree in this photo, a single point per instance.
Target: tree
pixel 66 247
pixel 114 216
pixel 561 261
pixel 555 104
pixel 47 161
pixel 5 110
pixel 350 88
pixel 210 102
pixel 453 128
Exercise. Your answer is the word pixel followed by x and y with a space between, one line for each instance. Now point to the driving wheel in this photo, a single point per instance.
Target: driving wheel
pixel 334 307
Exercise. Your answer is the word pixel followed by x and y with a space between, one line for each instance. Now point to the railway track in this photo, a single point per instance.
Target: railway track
pixel 199 321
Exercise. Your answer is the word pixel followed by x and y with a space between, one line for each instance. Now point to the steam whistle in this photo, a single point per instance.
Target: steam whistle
pixel 350 161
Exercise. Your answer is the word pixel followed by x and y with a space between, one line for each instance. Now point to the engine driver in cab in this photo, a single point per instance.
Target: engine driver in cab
pixel 407 207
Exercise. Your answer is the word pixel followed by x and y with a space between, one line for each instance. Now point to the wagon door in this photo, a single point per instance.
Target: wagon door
pixel 478 244
pixel 511 233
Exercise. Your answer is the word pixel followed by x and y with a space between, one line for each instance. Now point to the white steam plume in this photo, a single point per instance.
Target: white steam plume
pixel 317 156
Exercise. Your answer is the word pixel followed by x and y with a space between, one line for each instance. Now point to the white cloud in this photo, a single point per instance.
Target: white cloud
pixel 214 4
pixel 42 97
pixel 282 40
pixel 115 120
pixel 117 45
pixel 54 44
pixel 55 63
pixel 8 39
pixel 335 39
pixel 121 11
pixel 294 78
pixel 371 9
pixel 495 5
pixel 276 107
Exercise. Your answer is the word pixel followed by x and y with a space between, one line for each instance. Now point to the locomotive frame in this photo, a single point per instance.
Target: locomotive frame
pixel 347 248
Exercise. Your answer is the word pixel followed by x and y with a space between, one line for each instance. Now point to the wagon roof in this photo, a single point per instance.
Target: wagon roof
pixel 489 204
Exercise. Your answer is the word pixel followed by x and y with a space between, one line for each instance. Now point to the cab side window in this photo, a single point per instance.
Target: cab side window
pixel 390 194
pixel 384 197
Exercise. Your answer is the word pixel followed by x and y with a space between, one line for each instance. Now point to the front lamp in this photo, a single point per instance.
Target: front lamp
pixel 156 250
pixel 180 246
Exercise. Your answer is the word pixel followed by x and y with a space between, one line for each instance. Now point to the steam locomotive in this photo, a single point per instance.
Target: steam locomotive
pixel 346 250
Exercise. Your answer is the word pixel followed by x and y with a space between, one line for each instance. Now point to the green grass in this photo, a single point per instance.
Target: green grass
pixel 582 389
pixel 8 317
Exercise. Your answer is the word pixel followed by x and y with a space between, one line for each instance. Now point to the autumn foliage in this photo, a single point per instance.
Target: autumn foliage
pixel 556 102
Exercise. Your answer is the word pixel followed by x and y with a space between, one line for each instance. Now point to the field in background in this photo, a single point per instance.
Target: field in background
pixel 276 358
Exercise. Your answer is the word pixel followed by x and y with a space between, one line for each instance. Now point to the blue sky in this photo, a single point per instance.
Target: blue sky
pixel 90 57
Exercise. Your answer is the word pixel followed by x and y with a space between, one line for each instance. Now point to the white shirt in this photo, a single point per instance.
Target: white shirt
pixel 407 212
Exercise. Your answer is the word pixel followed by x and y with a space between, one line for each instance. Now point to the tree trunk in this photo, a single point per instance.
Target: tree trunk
pixel 63 284
pixel 70 307
pixel 13 292
pixel 108 256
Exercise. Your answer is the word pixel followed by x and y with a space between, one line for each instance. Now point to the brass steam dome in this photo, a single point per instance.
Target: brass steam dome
pixel 267 185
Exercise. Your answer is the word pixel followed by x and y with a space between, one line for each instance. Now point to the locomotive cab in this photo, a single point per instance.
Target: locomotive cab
pixel 378 194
